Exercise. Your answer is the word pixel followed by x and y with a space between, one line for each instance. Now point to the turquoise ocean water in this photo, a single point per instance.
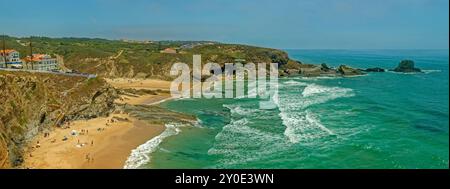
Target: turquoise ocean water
pixel 381 120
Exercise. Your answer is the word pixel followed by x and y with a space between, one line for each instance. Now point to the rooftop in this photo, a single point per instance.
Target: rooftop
pixel 37 57
pixel 7 51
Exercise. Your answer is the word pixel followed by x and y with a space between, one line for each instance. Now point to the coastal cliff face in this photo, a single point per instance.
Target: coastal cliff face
pixel 33 103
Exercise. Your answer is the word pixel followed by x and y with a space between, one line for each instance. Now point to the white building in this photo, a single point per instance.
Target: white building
pixel 12 59
pixel 43 62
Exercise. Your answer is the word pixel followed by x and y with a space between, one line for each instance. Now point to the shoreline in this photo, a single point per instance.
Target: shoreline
pixel 99 143
pixel 96 143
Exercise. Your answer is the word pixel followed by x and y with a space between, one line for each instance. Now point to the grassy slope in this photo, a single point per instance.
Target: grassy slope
pixel 139 59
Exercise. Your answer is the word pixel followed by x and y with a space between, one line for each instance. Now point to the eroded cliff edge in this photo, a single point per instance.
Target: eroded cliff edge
pixel 31 103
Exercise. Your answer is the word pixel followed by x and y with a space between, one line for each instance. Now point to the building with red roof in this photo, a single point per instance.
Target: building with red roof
pixel 10 58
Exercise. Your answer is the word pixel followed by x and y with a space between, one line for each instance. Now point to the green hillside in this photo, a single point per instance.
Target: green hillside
pixel 120 58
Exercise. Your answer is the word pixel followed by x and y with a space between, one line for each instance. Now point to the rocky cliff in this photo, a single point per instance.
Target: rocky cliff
pixel 33 103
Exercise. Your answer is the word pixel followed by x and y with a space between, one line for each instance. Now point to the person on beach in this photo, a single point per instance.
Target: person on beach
pixel 92 143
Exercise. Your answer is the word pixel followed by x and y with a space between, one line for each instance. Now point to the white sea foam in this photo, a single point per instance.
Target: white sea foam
pixel 242 141
pixel 198 123
pixel 318 78
pixel 301 124
pixel 160 101
pixel 311 95
pixel 141 155
pixel 239 110
pixel 240 127
pixel 303 127
pixel 412 73
pixel 431 71
pixel 314 90
pixel 245 140
pixel 295 83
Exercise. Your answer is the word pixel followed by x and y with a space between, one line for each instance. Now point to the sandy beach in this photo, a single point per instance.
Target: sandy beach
pixel 101 143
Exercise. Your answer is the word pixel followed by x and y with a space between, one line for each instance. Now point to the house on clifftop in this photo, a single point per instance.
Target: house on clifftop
pixel 43 62
pixel 10 58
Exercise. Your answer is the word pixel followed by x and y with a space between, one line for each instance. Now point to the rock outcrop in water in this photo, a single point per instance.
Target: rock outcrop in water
pixel 292 72
pixel 406 66
pixel 34 103
pixel 312 70
pixel 376 69
pixel 349 71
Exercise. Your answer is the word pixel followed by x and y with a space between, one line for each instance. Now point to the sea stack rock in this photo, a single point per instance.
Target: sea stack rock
pixel 406 66
pixel 349 71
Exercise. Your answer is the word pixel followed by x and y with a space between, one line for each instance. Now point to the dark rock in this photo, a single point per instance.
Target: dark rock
pixel 325 67
pixel 311 72
pixel 292 71
pixel 349 71
pixel 406 66
pixel 374 70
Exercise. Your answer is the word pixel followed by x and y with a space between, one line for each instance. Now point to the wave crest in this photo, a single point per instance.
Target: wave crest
pixel 141 155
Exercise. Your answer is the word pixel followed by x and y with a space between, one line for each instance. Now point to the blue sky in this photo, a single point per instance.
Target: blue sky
pixel 306 24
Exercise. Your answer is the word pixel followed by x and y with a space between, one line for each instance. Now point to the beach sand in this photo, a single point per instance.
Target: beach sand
pixel 103 144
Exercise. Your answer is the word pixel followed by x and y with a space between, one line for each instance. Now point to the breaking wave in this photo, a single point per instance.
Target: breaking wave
pixel 141 155
pixel 431 71
pixel 242 140
pixel 295 83
pixel 252 135
pixel 301 124
pixel 237 110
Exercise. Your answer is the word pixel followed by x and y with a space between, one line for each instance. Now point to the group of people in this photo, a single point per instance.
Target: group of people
pixel 84 131
pixel 92 142
pixel 89 158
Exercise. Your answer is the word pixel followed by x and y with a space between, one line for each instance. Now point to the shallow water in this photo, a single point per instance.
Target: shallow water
pixel 381 120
